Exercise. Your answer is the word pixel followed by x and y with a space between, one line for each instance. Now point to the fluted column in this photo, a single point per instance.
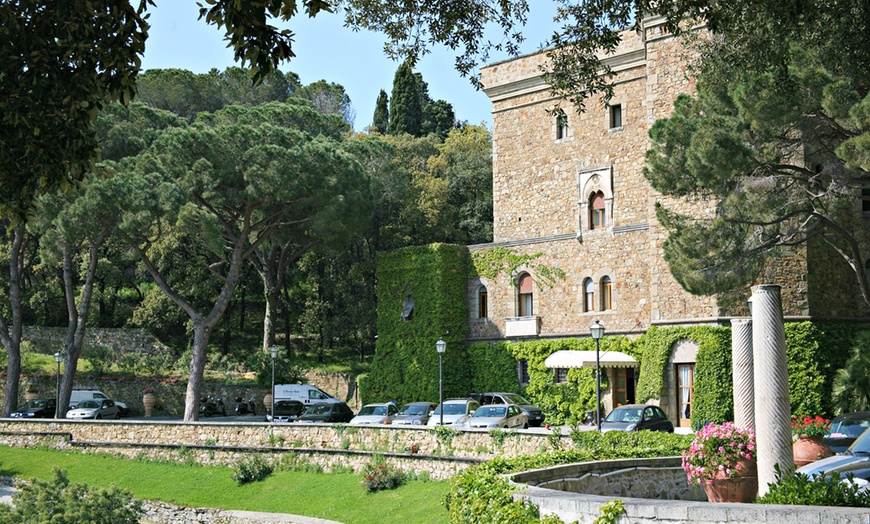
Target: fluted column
pixel 742 373
pixel 772 407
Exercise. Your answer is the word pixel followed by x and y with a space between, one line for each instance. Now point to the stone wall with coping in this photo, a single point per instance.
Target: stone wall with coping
pixel 326 445
pixel 555 492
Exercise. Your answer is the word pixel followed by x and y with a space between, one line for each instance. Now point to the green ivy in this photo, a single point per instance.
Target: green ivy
pixel 490 262
pixel 405 366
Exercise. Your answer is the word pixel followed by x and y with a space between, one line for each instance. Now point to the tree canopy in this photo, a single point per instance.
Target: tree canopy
pixel 778 153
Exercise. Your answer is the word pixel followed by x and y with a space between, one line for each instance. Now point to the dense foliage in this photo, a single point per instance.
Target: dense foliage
pixel 60 502
pixel 798 489
pixel 251 468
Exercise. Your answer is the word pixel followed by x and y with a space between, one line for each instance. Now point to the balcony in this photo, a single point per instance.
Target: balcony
pixel 522 326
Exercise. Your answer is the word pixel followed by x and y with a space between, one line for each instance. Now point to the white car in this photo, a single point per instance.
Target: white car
pixel 89 393
pixel 95 409
pixel 375 414
pixel 454 409
pixel 495 416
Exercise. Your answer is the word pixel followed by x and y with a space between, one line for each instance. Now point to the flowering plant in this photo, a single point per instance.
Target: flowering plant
pixel 810 426
pixel 147 390
pixel 717 452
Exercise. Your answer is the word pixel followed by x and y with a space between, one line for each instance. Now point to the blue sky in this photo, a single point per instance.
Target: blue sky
pixel 326 50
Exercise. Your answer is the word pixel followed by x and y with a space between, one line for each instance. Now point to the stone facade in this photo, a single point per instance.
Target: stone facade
pixel 549 180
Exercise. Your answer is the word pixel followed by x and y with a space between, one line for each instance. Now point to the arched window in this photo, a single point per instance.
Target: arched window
pixel 561 126
pixel 606 296
pixel 596 210
pixel 588 295
pixel 482 305
pixel 525 296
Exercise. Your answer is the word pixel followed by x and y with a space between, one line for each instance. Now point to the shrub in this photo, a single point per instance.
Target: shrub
pixel 251 469
pixel 821 490
pixel 378 476
pixel 59 501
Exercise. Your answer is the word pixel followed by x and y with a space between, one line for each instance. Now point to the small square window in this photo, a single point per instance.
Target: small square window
pixel 615 116
pixel 561 375
pixel 523 372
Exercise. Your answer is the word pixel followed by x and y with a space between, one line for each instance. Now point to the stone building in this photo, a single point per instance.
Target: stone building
pixel 572 190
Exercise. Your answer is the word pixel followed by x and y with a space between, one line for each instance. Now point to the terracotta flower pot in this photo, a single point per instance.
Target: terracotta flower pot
pixel 31 394
pixel 742 488
pixel 809 449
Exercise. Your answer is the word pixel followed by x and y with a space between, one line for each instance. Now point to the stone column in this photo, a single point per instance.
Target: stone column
pixel 772 407
pixel 742 373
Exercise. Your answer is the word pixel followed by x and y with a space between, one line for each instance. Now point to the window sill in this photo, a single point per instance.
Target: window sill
pixel 615 129
pixel 486 320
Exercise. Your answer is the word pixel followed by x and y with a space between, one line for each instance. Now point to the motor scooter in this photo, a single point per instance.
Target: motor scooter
pixel 211 405
pixel 246 406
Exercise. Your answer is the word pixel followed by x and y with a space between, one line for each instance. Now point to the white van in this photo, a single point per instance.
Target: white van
pixel 305 393
pixel 79 394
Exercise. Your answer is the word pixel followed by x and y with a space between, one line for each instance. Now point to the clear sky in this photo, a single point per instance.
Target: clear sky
pixel 327 50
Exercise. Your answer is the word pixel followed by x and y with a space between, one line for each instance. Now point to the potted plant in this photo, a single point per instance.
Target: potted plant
pixel 808 446
pixel 149 400
pixel 721 459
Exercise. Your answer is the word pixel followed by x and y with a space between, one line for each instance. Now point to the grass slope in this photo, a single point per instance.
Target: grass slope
pixel 341 497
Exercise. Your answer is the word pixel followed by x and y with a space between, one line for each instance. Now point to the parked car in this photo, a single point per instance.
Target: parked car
pixel 285 411
pixel 37 408
pixel 375 414
pixel 637 417
pixel 454 409
pixel 90 393
pixel 326 412
pixel 495 416
pixel 845 429
pixel 95 409
pixel 855 460
pixel 414 414
pixel 534 413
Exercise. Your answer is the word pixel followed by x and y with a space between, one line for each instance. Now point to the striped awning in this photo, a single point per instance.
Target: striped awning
pixel 586 359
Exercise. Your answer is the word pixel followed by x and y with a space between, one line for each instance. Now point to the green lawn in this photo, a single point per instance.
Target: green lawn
pixel 340 497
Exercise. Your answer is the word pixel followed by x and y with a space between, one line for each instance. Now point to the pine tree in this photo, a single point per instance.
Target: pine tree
pixel 381 119
pixel 406 109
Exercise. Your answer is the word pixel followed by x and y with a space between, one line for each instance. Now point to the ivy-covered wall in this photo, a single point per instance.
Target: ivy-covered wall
pixel 405 366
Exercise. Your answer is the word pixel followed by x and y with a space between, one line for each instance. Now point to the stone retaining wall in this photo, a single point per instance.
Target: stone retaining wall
pixel 324 445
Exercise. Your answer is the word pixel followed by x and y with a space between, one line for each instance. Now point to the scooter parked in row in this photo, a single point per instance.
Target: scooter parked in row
pixel 246 406
pixel 211 405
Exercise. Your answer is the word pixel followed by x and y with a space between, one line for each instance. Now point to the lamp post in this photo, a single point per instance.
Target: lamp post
pixel 597 332
pixel 273 352
pixel 441 346
pixel 58 358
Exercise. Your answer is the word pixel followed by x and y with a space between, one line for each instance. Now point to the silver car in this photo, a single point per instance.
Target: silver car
pixel 494 416
pixel 414 414
pixel 855 460
pixel 95 409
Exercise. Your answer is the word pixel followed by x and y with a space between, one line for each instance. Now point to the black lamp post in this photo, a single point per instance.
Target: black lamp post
pixel 273 352
pixel 58 358
pixel 441 346
pixel 597 332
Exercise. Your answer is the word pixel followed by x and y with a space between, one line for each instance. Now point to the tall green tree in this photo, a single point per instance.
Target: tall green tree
pixel 73 230
pixel 381 118
pixel 778 155
pixel 464 161
pixel 227 183
pixel 406 102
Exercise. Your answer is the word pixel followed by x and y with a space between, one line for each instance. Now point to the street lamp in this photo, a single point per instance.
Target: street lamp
pixel 597 332
pixel 273 352
pixel 441 346
pixel 58 358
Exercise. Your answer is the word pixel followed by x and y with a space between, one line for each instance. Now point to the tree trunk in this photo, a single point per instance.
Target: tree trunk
pixel 201 334
pixel 10 335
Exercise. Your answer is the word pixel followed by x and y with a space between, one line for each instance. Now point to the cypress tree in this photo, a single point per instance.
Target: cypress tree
pixel 382 114
pixel 406 108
